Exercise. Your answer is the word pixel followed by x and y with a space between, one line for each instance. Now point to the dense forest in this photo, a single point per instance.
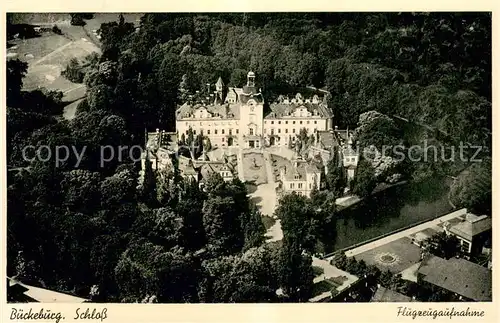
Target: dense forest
pixel 79 226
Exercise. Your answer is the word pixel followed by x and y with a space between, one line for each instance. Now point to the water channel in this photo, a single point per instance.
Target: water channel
pixel 389 210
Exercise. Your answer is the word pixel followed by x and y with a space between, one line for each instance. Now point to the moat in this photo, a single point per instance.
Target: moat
pixel 389 210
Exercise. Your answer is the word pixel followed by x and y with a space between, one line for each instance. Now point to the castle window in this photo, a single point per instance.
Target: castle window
pixel 250 131
pixel 272 122
pixel 272 131
pixel 292 185
pixel 279 122
pixel 279 130
pixel 293 130
pixel 307 121
pixel 222 131
pixel 187 131
pixel 286 130
pixel 208 131
pixel 315 122
pixel 215 131
pixel 300 185
pixel 223 139
pixel 230 131
pixel 293 122
pixel 286 122
pixel 194 132
pixel 237 131
pixel 301 122
pixel 310 186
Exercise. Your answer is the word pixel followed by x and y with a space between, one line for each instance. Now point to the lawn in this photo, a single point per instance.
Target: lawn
pixel 47 56
pixel 321 287
pixel 254 168
pixel 395 256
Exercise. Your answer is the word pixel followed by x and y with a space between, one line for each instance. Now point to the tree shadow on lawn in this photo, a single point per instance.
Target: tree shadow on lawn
pixel 251 186
pixel 256 200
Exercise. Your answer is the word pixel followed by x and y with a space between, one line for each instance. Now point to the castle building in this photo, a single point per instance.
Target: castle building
pixel 301 178
pixel 235 117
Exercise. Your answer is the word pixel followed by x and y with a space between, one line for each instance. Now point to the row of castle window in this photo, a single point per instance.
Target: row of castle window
pixel 293 122
pixel 230 131
pixel 215 131
pixel 299 186
pixel 292 185
pixel 286 130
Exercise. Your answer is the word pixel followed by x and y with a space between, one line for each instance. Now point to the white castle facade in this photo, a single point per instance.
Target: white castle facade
pixel 235 117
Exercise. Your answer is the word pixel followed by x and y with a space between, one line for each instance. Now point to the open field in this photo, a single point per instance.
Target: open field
pixel 48 55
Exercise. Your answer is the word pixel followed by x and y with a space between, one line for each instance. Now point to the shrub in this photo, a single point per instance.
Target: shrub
pixel 77 19
pixel 268 222
pixel 74 71
pixel 56 30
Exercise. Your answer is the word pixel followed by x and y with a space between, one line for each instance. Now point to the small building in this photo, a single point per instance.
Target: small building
pixel 301 177
pixel 350 158
pixel 199 170
pixel 465 279
pixel 388 295
pixel 187 169
pixel 473 233
pixel 223 168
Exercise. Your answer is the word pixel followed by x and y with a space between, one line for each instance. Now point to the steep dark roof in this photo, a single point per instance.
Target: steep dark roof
pixel 279 110
pixel 387 295
pixel 327 139
pixel 220 83
pixel 224 111
pixel 459 276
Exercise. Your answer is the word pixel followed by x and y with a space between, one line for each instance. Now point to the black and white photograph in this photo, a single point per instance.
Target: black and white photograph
pixel 249 157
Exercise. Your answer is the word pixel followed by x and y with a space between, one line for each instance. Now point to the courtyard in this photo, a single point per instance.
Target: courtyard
pixel 254 168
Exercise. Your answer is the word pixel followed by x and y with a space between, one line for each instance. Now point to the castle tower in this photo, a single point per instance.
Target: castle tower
pixel 219 86
pixel 249 88
pixel 219 91
pixel 251 79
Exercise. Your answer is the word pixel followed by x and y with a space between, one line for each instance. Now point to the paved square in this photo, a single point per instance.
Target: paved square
pixel 395 256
